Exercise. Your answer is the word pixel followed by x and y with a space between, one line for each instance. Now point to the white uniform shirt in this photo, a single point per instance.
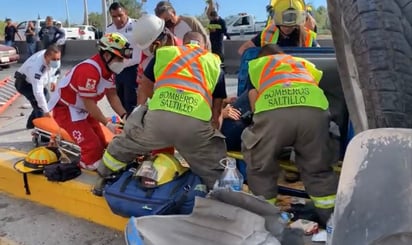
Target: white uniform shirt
pixel 39 75
pixel 127 32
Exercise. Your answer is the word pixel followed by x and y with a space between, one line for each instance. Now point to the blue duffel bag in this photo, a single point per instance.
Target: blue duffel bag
pixel 128 197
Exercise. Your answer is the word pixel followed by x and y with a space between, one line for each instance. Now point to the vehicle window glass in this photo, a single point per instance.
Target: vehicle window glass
pixel 90 29
pixel 245 21
pixel 22 25
pixel 238 22
pixel 82 28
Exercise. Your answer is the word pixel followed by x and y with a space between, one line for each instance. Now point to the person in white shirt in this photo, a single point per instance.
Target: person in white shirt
pixel 34 77
pixel 126 84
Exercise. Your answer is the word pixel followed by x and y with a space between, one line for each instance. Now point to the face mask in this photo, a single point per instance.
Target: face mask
pixel 55 64
pixel 116 67
pixel 147 52
pixel 170 24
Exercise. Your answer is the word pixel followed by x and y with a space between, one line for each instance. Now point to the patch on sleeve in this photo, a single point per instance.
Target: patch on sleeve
pixel 90 84
pixel 42 68
pixel 37 76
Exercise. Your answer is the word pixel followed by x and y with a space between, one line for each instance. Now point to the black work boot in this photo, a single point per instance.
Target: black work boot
pixel 99 186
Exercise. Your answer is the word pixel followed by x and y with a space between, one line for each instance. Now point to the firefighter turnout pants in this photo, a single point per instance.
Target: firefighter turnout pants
pixel 197 141
pixel 307 130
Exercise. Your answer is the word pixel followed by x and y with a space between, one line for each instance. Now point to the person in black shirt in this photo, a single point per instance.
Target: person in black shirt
pixel 9 31
pixel 217 29
pixel 49 34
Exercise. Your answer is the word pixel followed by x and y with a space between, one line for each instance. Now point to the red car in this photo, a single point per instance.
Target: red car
pixel 8 55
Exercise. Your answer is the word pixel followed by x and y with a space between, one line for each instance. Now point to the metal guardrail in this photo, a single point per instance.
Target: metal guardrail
pixel 8 93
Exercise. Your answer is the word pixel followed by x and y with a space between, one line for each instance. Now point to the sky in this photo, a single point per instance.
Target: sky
pixel 29 9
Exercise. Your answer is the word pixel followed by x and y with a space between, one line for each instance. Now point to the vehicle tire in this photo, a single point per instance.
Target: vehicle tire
pixel 373 40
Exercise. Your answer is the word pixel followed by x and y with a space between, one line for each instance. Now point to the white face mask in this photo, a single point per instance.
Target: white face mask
pixel 55 64
pixel 147 52
pixel 116 66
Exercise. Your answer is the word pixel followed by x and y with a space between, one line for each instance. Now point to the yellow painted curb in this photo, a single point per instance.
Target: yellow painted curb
pixel 6 241
pixel 73 197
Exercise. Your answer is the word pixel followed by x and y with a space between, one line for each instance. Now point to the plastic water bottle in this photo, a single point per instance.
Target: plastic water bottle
pixel 231 177
pixel 329 230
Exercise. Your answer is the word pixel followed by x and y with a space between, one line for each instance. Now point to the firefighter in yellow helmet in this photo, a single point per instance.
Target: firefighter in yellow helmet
pixel 289 110
pixel 286 28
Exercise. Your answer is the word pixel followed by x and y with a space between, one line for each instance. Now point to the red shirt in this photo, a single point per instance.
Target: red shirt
pixel 85 79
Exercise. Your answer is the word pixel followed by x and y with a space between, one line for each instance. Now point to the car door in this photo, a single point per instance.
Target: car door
pixel 21 29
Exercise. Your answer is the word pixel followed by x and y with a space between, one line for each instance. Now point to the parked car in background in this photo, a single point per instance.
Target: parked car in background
pixel 8 55
pixel 88 32
pixel 72 33
pixel 38 24
pixel 243 24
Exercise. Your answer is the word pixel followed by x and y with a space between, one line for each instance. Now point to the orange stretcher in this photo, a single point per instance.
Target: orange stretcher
pixel 46 127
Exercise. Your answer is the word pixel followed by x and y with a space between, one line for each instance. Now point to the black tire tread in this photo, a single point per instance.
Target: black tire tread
pixel 381 41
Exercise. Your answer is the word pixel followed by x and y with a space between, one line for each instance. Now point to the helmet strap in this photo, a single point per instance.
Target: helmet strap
pixel 106 63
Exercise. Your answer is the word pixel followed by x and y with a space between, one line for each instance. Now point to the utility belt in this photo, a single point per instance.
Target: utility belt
pixel 20 82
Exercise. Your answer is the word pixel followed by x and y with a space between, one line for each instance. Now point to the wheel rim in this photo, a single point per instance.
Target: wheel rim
pixel 359 120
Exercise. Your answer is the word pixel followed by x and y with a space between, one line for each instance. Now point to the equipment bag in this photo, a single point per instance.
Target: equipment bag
pixel 127 197
pixel 62 171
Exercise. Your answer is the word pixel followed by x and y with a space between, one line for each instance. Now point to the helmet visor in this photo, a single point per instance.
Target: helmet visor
pixel 127 52
pixel 289 17
pixel 148 174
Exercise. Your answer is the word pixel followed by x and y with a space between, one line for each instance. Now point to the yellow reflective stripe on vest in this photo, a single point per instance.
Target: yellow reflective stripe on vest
pixel 194 84
pixel 310 37
pixel 182 85
pixel 325 202
pixel 298 73
pixel 111 163
pixel 282 81
pixel 214 26
pixel 185 78
pixel 269 35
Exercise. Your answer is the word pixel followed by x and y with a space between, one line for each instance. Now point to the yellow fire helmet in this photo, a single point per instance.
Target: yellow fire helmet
pixel 163 169
pixel 36 159
pixel 289 12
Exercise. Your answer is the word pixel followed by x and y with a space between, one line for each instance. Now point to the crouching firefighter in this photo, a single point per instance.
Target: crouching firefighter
pixel 289 110
pixel 74 102
pixel 182 82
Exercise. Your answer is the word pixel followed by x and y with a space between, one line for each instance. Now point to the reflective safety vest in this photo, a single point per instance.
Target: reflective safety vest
pixel 285 81
pixel 214 26
pixel 271 35
pixel 185 78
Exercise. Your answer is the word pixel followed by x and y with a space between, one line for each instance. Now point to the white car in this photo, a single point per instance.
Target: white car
pixel 87 32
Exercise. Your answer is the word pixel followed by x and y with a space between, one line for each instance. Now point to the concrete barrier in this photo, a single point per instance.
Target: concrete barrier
pixel 75 50
pixel 78 50
pixel 232 58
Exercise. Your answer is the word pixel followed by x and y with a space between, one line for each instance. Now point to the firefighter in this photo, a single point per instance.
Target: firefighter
pixel 186 87
pixel 74 102
pixel 289 110
pixel 286 29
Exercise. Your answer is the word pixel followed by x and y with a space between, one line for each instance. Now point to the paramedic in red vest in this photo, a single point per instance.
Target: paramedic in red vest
pixel 289 110
pixel 74 103
pixel 287 28
pixel 186 87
